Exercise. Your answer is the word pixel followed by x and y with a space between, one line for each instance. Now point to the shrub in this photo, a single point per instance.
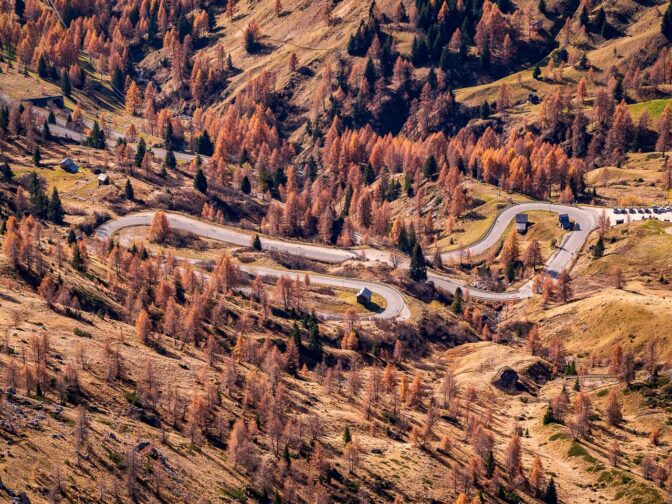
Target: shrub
pixel 82 333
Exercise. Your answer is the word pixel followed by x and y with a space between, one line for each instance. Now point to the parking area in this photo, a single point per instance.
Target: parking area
pixel 622 215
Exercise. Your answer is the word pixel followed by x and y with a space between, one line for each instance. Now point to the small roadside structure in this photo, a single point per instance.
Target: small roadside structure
pixel 103 179
pixel 364 296
pixel 68 165
pixel 521 223
pixel 564 222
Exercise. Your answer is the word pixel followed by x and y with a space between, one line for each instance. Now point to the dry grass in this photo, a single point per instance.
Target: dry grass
pixel 488 201
pixel 594 322
pixel 200 248
pixel 601 315
pixel 543 227
pixel 642 250
pixel 341 300
pixel 34 459
pixel 598 322
pixel 78 186
pixel 17 86
pixel 654 108
pixel 637 182
pixel 579 468
pixel 301 29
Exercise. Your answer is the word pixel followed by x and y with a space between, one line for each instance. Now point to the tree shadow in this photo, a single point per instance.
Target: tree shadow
pixel 474 216
pixel 263 47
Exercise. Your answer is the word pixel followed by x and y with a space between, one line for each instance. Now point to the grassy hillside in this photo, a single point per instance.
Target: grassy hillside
pixel 601 316
pixel 653 107
pixel 130 375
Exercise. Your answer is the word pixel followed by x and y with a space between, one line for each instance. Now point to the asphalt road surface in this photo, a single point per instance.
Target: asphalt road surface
pixel 584 218
pixel 395 305
pixel 60 130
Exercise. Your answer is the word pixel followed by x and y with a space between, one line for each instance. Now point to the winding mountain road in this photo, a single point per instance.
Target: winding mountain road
pixel 61 130
pixel 585 219
pixel 396 306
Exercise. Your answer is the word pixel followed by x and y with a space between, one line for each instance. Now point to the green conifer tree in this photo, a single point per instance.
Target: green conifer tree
pixel 37 156
pixel 170 161
pixel 77 261
pixel 66 87
pixel 46 132
pixel 456 306
pixel 551 496
pixel 128 190
pixel 42 69
pixel 55 212
pixel 418 268
pixel 666 24
pixel 314 342
pixel 490 464
pixel 200 182
pixel 140 151
pixel 7 173
pixel 430 168
pixel 347 437
pixel 295 334
pixel 598 251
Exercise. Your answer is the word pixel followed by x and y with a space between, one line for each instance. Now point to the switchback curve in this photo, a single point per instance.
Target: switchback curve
pixel 585 220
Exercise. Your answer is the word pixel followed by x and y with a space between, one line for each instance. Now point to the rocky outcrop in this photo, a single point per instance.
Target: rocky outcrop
pixel 528 378
pixel 506 379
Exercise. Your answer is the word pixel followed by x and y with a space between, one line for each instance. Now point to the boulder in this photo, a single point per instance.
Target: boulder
pixel 142 445
pixel 506 379
pixel 528 377
pixel 144 416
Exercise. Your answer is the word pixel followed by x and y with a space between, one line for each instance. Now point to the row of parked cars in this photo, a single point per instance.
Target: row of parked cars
pixel 652 210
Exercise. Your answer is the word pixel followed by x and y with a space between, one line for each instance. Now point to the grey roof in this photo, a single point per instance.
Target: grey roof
pixel 563 217
pixel 103 177
pixel 364 292
pixel 521 218
pixel 69 164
